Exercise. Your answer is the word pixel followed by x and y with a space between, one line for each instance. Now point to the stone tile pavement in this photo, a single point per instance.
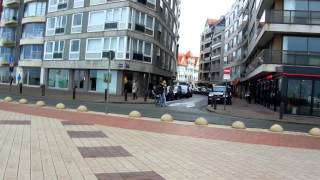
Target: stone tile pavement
pixel 43 149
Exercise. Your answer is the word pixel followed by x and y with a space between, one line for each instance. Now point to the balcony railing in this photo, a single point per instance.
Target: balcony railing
pixel 293 17
pixel 268 56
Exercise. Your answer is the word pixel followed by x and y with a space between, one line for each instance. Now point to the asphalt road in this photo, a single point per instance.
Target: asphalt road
pixel 184 110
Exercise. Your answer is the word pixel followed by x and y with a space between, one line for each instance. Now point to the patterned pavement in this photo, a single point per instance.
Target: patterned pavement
pixel 43 143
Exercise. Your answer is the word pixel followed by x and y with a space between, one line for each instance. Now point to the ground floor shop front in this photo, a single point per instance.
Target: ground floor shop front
pixel 85 80
pixel 300 93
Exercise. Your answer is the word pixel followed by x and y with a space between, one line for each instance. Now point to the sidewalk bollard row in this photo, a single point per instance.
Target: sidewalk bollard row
pixel 315 132
pixel 40 103
pixel 60 106
pixel 167 118
pixel 276 128
pixel 201 121
pixel 238 125
pixel 82 108
pixel 8 99
pixel 23 101
pixel 135 114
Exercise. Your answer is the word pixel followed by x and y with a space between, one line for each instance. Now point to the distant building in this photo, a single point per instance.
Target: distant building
pixel 211 58
pixel 188 68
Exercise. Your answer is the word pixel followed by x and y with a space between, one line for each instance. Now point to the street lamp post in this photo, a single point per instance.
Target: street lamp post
pixel 110 55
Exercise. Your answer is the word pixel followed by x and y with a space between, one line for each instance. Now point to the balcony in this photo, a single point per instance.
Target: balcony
pixel 293 17
pixel 294 58
pixel 10 22
pixel 7 41
pixel 11 3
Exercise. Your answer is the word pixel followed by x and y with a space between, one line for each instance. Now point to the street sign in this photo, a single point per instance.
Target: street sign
pixel 226 74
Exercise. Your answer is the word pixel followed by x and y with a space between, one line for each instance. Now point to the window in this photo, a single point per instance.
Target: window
pixel 35 9
pixel 78 3
pixel 74 49
pixel 54 50
pixel 7 34
pixel 96 2
pixel 33 30
pixel 55 5
pixel 96 21
pixel 31 76
pixel 144 23
pixel 9 14
pixel 56 25
pixel 31 52
pixel 149 3
pixel 58 78
pixel 5 54
pixel 94 49
pixel 142 50
pixel 76 23
pixel 98 81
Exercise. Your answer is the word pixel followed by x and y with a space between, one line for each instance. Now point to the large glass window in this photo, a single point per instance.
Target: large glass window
pixel 5 54
pixel 7 34
pixel 94 49
pixel 54 50
pixel 74 49
pixel 299 96
pixel 58 78
pixel 31 52
pixel 31 76
pixel 76 23
pixel 33 30
pixel 96 21
pixel 98 81
pixel 35 9
pixel 56 25
pixel 316 99
pixel 296 50
pixel 5 75
pixel 9 14
pixel 78 3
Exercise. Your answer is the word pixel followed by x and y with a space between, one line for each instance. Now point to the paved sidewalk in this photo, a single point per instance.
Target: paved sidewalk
pixel 38 143
pixel 35 92
pixel 241 108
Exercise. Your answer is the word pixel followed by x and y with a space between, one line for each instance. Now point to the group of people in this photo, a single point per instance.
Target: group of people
pixel 159 92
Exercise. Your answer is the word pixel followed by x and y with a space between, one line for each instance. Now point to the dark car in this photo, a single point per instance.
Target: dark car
pixel 220 93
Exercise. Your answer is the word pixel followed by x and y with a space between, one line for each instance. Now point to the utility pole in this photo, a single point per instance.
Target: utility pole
pixel 110 55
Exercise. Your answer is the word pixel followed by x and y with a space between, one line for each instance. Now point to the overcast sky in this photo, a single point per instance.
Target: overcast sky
pixel 192 20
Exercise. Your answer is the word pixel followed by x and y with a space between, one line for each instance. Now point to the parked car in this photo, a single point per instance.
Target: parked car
pixel 221 93
pixel 204 90
pixel 182 91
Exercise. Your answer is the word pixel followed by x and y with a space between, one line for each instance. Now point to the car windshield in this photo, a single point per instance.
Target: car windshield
pixel 219 89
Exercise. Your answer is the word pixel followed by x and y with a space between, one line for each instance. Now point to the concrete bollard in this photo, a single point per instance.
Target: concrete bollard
pixel 60 106
pixel 238 125
pixel 315 132
pixel 82 108
pixel 135 114
pixel 8 99
pixel 276 128
pixel 40 103
pixel 201 121
pixel 167 118
pixel 23 101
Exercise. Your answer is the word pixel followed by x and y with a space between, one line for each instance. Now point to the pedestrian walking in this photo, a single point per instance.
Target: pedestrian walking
pixel 159 92
pixel 165 92
pixel 19 79
pixel 135 89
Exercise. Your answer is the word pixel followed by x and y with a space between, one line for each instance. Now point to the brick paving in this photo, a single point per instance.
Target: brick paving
pixel 44 149
pixel 86 134
pixel 104 151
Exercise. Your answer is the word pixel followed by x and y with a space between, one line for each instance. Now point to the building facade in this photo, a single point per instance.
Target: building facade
pixel 68 43
pixel 282 63
pixel 188 68
pixel 211 52
pixel 236 41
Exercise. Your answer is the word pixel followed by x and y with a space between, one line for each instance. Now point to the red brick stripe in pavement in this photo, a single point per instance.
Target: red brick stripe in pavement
pixel 232 135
